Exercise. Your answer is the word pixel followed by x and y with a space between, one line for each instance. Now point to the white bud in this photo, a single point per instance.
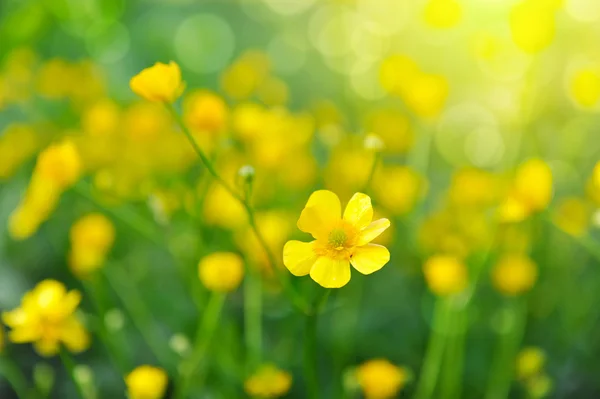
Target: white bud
pixel 373 142
pixel 180 344
pixel 246 172
pixel 114 320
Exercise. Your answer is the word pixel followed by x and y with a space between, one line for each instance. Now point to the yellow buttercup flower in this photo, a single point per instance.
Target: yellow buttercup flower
pixel 573 215
pixel 59 163
pixel 204 111
pixel 443 14
pixel 533 184
pixel 160 82
pixel 46 317
pixel 146 382
pixel 530 362
pixel 426 94
pixel 221 271
pixel 532 25
pixel 584 87
pixel 380 379
pixel 268 382
pixel 398 188
pixel 514 274
pixel 445 275
pixel 92 236
pixel 339 241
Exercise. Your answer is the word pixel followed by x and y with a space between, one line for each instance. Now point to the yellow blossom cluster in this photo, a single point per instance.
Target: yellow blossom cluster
pixel 92 236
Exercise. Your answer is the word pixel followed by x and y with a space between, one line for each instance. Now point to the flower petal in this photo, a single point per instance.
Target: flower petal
pixel 331 273
pixel 372 231
pixel 47 347
pixel 359 211
pixel 74 335
pixel 299 257
pixel 370 258
pixel 322 210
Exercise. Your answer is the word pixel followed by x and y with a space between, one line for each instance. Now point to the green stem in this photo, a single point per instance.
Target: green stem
pixel 435 350
pixel 374 165
pixel 509 340
pixel 204 335
pixel 69 364
pixel 13 374
pixel 294 297
pixel 119 280
pixel 253 320
pixel 454 360
pixel 310 357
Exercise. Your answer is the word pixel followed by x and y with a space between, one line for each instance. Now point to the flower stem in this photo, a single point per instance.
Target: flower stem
pixel 69 364
pixel 253 320
pixel 435 350
pixel 310 357
pixel 509 340
pixel 204 335
pixel 13 374
pixel 294 297
pixel 374 165
pixel 454 359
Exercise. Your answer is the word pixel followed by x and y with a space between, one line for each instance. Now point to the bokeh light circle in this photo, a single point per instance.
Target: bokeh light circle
pixel 110 44
pixel 204 43
pixel 287 53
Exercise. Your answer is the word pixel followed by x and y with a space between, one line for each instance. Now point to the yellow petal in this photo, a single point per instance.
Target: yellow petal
pixel 359 211
pixel 331 273
pixel 370 258
pixel 28 333
pixel 322 210
pixel 372 231
pixel 299 257
pixel 74 335
pixel 46 347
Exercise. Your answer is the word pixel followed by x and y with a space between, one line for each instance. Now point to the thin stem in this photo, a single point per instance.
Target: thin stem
pixel 310 357
pixel 204 335
pixel 253 320
pixel 69 364
pixel 140 315
pixel 435 350
pixel 502 371
pixel 13 374
pixel 294 297
pixel 374 165
pixel 454 359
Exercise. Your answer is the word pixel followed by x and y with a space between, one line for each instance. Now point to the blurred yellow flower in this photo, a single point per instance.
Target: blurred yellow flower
pixel 60 163
pixel 339 241
pixel 442 14
pixel 380 379
pixel 530 362
pixel 397 188
pixel 394 129
pixel 221 209
pixel 160 82
pixel 18 142
pixel 396 72
pixel 146 382
pixel 539 386
pixel 426 94
pixel 474 187
pixel 584 87
pixel 221 271
pixel 248 120
pixel 91 236
pixel 532 24
pixel 205 111
pixel 268 382
pixel 573 215
pixel 46 317
pixel 101 118
pixel 445 275
pixel 514 274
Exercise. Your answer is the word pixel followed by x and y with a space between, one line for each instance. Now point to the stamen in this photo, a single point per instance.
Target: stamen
pixel 337 238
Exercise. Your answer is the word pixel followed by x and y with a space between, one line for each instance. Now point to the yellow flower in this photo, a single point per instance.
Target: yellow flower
pixel 514 274
pixel 398 188
pixel 426 94
pixel 533 184
pixel 248 120
pixel 160 82
pixel 59 163
pixel 396 72
pixel 473 187
pixel 585 87
pixel 47 318
pixel 539 386
pixel 146 382
pixel 445 275
pixel 205 112
pixel 339 241
pixel 101 118
pixel 530 362
pixel 92 236
pixel 573 215
pixel 268 382
pixel 221 271
pixel 380 379
pixel 532 25
pixel 443 14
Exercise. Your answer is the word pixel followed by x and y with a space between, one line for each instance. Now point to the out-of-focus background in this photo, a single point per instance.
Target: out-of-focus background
pixel 461 93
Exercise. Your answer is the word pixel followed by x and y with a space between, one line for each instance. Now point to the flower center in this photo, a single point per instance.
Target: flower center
pixel 337 238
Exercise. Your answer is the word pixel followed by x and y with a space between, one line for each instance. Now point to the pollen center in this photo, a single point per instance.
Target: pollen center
pixel 337 238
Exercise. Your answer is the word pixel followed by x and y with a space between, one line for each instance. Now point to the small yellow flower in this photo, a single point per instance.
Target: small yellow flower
pixel 445 275
pixel 47 318
pixel 585 87
pixel 426 94
pixel 60 164
pixel 92 236
pixel 221 271
pixel 339 241
pixel 146 382
pixel 443 14
pixel 159 83
pixel 380 379
pixel 268 382
pixel 539 386
pixel 398 188
pixel 205 112
pixel 530 362
pixel 573 215
pixel 532 25
pixel 514 274
pixel 533 184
